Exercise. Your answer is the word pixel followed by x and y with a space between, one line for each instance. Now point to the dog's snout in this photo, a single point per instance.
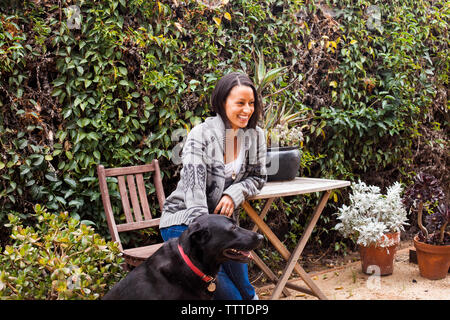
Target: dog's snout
pixel 259 237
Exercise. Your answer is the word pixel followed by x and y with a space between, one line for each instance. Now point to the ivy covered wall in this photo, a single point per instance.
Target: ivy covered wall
pixel 88 82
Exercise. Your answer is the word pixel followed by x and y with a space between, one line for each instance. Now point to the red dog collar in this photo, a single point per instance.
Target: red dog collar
pixel 196 270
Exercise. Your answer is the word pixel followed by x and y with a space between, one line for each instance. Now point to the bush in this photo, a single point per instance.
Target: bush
pixel 60 258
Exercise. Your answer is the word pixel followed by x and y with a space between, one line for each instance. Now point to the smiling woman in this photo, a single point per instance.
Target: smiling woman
pixel 239 106
pixel 234 87
pixel 223 164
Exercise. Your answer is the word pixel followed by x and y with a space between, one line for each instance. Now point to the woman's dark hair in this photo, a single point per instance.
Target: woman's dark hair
pixel 222 90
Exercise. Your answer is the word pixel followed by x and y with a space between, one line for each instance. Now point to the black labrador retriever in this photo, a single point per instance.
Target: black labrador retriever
pixel 186 268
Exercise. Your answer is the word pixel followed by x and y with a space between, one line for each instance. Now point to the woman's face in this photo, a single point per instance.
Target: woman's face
pixel 239 106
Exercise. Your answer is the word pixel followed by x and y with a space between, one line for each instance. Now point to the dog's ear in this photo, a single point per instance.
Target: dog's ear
pixel 199 232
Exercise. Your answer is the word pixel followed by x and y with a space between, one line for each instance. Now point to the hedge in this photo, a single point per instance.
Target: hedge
pixel 113 82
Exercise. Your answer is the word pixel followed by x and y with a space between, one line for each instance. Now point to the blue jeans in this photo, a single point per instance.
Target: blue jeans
pixel 232 279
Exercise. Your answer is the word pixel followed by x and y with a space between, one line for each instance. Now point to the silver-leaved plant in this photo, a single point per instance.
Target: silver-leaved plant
pixel 371 214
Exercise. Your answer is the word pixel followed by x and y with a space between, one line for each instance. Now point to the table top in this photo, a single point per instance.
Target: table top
pixel 298 186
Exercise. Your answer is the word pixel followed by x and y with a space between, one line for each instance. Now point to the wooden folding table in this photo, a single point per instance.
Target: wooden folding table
pixel 271 191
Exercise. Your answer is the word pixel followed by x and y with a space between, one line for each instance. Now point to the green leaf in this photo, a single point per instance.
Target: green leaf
pixel 75 203
pixel 59 82
pixel 38 161
pixel 70 182
pixel 60 200
pixel 51 177
pixel 271 75
pixel 87 83
pixel 83 122
pixel 67 112
pixel 123 71
pixel 93 136
pixel 260 70
pixel 22 143
pixel 24 170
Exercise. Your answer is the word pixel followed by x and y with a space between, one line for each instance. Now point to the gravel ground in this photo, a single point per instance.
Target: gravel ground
pixel 350 283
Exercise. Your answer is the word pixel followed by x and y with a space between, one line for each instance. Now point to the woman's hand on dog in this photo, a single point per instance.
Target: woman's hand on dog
pixel 225 206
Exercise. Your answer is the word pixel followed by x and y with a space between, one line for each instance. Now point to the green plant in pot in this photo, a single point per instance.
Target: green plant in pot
pixel 432 243
pixel 283 127
pixel 374 221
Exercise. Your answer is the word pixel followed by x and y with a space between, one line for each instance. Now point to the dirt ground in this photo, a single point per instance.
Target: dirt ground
pixel 348 282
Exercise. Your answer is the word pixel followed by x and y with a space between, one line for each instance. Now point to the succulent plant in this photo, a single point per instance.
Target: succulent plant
pixel 283 124
pixel 439 222
pixel 426 190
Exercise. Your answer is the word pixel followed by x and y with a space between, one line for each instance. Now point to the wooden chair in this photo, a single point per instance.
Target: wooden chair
pixel 137 216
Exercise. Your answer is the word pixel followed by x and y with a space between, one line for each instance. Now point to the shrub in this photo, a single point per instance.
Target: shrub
pixel 60 258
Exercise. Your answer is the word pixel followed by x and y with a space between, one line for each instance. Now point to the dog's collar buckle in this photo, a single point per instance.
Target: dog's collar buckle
pixel 197 271
pixel 212 286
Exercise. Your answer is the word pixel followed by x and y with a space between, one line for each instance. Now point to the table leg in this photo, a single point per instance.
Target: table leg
pixel 258 261
pixel 298 251
pixel 264 212
pixel 266 230
pixel 282 249
pixel 272 277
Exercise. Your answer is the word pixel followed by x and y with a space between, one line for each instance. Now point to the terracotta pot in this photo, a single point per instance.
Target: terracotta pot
pixel 433 260
pixel 379 260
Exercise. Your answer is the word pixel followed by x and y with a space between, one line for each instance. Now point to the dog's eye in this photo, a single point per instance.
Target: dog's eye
pixel 233 227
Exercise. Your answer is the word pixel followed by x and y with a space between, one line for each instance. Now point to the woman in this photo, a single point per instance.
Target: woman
pixel 223 163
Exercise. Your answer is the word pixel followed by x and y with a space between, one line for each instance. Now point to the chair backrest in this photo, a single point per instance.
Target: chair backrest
pixel 131 185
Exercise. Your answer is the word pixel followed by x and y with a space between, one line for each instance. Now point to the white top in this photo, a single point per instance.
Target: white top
pixel 235 166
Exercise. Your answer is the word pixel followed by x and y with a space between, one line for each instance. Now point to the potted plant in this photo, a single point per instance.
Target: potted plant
pixel 283 128
pixel 375 221
pixel 432 243
pixel 284 141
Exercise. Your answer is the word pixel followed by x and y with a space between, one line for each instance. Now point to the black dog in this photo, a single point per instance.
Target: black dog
pixel 185 268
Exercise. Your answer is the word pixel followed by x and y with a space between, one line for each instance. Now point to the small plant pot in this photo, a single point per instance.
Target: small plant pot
pixel 379 260
pixel 433 260
pixel 282 163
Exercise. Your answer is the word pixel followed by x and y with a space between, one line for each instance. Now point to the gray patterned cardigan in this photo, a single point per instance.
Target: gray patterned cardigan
pixel 202 180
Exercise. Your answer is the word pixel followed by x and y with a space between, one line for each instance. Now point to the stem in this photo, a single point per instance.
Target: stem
pixel 419 220
pixel 12 288
pixel 442 232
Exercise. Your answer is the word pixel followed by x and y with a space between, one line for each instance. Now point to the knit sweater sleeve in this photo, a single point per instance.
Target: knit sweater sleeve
pixel 256 173
pixel 193 175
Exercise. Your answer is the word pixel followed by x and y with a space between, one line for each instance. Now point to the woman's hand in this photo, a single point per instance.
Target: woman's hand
pixel 225 206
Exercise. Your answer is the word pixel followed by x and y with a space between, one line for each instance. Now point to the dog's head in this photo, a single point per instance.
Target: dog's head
pixel 218 238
